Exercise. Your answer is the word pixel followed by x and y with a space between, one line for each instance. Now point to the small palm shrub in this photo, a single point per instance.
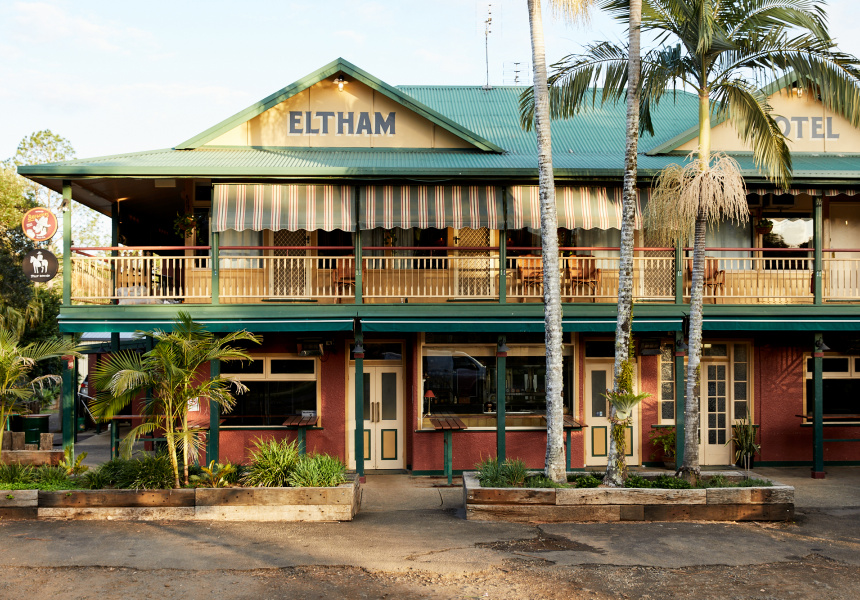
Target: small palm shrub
pixel 15 473
pixel 318 470
pixel 271 463
pixel 215 475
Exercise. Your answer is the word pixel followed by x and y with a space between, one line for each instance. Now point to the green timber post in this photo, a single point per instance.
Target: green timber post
pixel 679 273
pixel 359 406
pixel 67 242
pixel 357 288
pixel 501 370
pixel 68 401
pixel 680 400
pixel 216 266
pixel 503 251
pixel 818 409
pixel 817 241
pixel 114 242
pixel 212 447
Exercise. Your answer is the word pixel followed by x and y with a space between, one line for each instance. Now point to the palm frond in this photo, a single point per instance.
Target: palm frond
pixel 748 110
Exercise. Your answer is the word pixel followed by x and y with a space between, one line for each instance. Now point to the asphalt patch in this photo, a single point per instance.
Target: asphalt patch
pixel 544 542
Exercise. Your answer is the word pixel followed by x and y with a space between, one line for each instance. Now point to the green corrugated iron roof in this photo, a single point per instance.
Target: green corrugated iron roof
pixel 588 146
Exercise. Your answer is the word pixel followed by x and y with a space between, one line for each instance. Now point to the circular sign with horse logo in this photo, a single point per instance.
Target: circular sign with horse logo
pixel 39 224
pixel 40 265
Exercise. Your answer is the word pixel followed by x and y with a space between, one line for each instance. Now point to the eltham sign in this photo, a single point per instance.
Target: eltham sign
pixel 320 122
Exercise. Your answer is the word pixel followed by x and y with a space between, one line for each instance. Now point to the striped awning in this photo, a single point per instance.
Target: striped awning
pixel 798 191
pixel 423 206
pixel 583 207
pixel 276 207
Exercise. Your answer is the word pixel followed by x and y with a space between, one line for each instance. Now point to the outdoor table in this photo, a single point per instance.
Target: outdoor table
pixel 301 424
pixel 448 424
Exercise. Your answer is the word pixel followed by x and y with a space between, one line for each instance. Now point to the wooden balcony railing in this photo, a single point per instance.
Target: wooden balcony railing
pixel 172 274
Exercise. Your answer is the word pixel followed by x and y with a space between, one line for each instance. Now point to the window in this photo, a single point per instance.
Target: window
pixel 841 393
pixel 789 233
pixel 726 378
pixel 463 380
pixel 667 383
pixel 278 387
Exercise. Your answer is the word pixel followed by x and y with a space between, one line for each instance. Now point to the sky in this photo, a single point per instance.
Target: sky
pixel 114 76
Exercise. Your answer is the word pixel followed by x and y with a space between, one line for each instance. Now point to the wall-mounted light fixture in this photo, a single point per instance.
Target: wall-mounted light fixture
pixel 340 81
pixel 820 346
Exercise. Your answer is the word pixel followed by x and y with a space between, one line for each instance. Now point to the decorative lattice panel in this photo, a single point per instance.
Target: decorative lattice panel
pixel 290 269
pixel 658 274
pixel 473 272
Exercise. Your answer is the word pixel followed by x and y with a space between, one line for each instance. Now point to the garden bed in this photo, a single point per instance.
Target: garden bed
pixel 774 502
pixel 339 503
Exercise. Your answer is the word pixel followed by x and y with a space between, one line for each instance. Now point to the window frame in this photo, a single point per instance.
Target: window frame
pixel 852 373
pixel 267 375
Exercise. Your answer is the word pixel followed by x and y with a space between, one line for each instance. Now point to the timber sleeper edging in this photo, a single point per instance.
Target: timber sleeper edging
pixel 773 503
pixel 340 503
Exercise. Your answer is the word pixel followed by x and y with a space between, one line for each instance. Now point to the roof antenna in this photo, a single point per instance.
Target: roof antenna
pixel 488 23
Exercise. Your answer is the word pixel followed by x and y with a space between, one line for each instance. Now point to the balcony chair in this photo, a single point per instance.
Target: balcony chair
pixel 584 272
pixel 343 277
pixel 530 272
pixel 715 278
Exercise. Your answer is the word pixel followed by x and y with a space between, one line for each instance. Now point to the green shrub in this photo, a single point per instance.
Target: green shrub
pixel 151 472
pixel 510 473
pixel 585 480
pixel 96 479
pixel 15 473
pixel 542 481
pixel 490 473
pixel 670 482
pixel 271 463
pixel 318 470
pixel 637 481
pixel 753 482
pixel 49 475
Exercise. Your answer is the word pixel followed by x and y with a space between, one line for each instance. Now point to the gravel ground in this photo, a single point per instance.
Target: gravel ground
pixel 811 577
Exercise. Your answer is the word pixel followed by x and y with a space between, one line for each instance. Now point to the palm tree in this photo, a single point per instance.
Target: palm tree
pixel 615 466
pixel 554 463
pixel 171 372
pixel 714 49
pixel 17 386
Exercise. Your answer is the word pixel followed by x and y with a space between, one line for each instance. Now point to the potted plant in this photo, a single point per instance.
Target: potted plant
pixel 185 224
pixel 743 438
pixel 764 226
pixel 663 439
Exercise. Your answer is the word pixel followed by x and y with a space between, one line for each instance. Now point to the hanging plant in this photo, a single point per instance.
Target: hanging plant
pixel 185 224
pixel 764 226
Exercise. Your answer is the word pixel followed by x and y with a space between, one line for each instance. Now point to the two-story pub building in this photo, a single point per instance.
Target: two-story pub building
pixel 343 212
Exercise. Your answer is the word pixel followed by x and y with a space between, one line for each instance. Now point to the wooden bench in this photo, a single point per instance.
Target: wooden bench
pixel 301 424
pixel 448 424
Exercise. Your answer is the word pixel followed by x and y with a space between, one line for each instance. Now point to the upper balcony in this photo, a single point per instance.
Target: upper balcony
pixel 412 274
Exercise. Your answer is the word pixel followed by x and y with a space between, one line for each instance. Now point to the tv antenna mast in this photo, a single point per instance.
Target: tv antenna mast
pixel 488 23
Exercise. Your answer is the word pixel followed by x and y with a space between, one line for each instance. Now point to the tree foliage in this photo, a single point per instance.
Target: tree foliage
pixel 89 228
pixel 170 376
pixel 18 382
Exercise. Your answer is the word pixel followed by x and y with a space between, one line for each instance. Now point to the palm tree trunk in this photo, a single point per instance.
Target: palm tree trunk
pixel 615 466
pixel 171 447
pixel 554 465
pixel 690 468
pixel 187 439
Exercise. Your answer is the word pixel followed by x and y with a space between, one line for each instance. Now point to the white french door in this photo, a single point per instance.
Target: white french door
pixel 383 418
